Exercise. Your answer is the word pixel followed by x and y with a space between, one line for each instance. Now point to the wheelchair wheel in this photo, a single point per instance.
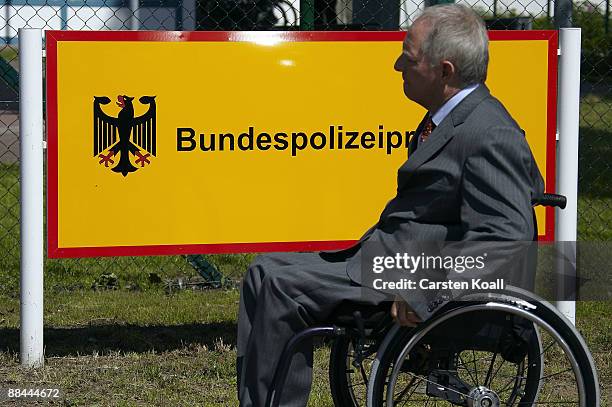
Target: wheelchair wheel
pixel 348 376
pixel 502 352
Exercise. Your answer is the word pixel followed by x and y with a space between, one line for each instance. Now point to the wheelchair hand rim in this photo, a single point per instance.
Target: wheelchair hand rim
pixel 425 328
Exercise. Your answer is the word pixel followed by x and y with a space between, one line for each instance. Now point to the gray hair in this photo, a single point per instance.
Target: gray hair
pixel 457 34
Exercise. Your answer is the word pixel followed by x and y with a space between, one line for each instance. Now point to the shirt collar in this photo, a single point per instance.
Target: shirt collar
pixel 451 103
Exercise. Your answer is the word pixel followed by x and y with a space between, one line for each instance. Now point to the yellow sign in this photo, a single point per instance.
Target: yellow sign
pixel 227 142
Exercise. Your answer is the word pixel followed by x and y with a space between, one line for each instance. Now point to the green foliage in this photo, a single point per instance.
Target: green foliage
pixel 596 43
pixel 592 21
pixel 543 23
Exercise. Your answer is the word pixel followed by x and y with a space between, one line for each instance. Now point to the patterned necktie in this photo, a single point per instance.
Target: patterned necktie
pixel 428 127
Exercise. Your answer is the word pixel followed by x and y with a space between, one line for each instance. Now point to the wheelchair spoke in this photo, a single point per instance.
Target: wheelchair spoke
pixel 356 384
pixel 556 374
pixel 408 387
pixel 364 374
pixel 487 382
pixel 475 367
pixel 437 384
pixel 405 401
pixel 482 358
pixel 507 386
pixel 497 371
pixel 475 383
pixel 435 401
pixel 506 379
pixel 547 348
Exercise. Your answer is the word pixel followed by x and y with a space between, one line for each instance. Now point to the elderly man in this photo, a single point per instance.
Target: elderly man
pixel 470 176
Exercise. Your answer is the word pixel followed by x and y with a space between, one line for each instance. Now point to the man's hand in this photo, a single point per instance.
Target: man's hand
pixel 403 314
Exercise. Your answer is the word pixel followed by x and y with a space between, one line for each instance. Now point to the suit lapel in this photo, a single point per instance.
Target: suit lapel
pixel 441 134
pixel 414 141
pixel 436 140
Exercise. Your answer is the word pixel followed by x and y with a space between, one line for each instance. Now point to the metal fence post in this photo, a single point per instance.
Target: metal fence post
pixel 567 161
pixel 307 15
pixel 31 146
pixel 135 18
pixel 188 15
pixel 563 13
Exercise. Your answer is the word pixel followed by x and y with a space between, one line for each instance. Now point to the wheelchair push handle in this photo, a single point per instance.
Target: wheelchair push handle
pixel 553 200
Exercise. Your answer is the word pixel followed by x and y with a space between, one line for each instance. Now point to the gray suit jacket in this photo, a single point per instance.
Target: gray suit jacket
pixel 472 180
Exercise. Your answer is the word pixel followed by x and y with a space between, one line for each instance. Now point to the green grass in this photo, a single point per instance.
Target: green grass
pixel 114 347
pixel 108 348
pixel 595 158
pixel 149 348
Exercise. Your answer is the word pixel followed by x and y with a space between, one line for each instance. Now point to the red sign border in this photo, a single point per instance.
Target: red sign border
pixel 53 37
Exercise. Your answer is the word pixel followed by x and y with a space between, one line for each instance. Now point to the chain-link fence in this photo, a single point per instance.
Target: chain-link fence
pixel 595 205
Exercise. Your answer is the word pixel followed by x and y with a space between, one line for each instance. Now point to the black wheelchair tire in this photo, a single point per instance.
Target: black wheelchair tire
pixel 377 388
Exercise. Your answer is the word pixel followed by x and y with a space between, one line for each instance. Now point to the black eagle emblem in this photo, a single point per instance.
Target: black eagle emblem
pixel 125 134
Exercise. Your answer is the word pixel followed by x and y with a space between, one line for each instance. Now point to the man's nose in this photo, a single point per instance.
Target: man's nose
pixel 398 66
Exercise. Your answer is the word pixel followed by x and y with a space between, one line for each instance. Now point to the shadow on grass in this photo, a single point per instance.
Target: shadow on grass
pixel 125 338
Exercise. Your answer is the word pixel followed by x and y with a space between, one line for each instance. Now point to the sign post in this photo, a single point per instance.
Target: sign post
pixel 567 160
pixel 31 146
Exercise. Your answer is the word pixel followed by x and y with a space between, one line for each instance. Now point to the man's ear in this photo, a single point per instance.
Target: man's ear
pixel 448 70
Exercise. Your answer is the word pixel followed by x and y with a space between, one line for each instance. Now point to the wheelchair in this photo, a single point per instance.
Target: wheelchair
pixel 486 350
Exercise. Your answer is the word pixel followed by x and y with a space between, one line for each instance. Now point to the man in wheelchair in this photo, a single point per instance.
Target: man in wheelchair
pixel 470 177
